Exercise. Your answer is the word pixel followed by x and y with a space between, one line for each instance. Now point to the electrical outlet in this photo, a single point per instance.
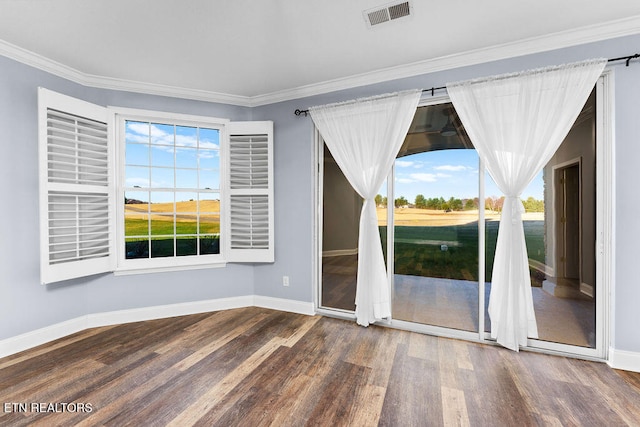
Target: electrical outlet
pixel 285 280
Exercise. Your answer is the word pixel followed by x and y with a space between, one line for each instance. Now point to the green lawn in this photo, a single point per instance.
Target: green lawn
pixel 140 227
pixel 186 242
pixel 418 249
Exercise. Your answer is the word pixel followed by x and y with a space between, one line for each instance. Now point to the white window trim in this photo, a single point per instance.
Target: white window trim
pixel 150 265
pixel 113 262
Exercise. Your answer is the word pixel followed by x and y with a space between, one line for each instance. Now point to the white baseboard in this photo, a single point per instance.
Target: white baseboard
pixel 625 360
pixel 169 310
pixel 44 335
pixel 291 306
pixel 40 336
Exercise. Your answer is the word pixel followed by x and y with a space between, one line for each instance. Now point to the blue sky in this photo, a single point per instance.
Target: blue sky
pixel 448 173
pixel 164 156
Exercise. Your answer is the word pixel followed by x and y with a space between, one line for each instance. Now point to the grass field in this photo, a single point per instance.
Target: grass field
pixel 420 235
pixel 149 228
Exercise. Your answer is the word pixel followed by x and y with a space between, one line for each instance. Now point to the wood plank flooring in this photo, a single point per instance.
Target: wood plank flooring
pixel 259 367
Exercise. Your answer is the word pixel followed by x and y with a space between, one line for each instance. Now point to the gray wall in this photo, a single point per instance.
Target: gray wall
pixel 295 172
pixel 341 207
pixel 26 305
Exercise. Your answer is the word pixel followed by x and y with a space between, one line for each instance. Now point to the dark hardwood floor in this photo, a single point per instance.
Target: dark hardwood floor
pixel 255 367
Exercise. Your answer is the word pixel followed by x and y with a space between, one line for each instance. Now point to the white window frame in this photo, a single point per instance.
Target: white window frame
pixel 147 265
pixel 253 229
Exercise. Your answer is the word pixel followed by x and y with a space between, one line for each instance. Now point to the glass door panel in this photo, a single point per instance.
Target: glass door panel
pixel 340 226
pixel 436 223
pixel 340 232
pixel 559 225
pixel 563 276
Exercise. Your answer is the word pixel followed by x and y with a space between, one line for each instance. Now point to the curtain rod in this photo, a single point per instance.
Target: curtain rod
pixel 627 59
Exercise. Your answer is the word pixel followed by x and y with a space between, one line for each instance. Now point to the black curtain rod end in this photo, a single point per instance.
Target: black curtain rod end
pixel 300 112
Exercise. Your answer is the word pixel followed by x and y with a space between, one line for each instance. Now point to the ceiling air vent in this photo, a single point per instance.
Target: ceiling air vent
pixel 386 13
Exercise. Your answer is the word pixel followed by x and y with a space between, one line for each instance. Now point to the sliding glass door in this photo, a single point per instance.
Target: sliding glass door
pixel 439 218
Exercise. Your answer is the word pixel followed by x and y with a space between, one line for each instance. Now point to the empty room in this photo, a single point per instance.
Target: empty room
pixel 330 213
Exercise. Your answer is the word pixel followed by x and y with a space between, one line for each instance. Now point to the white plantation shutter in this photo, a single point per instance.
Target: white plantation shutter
pixel 249 192
pixel 75 188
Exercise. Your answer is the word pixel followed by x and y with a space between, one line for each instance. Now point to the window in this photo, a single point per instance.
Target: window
pixel 170 169
pixel 132 190
pixel 171 190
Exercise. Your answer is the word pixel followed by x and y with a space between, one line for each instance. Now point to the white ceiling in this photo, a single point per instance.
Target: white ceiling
pixel 251 52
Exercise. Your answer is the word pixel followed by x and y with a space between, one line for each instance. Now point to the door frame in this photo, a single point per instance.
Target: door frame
pixel 556 234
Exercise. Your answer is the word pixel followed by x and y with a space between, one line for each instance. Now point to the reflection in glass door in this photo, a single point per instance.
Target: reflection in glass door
pixel 560 233
pixel 340 225
pixel 341 209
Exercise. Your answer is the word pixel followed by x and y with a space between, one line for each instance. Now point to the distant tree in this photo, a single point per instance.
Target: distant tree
pixel 533 205
pixel 490 203
pixel 378 200
pixel 384 201
pixel 499 203
pixel 420 201
pixel 469 205
pixel 400 201
pixel 455 204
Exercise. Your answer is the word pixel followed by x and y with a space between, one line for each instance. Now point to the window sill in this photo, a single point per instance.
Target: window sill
pixel 126 271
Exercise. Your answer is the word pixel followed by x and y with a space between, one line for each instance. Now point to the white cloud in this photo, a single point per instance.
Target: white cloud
pixel 186 141
pixel 451 168
pixel 207 154
pixel 209 145
pixel 404 163
pixel 405 180
pixel 424 177
pixel 139 132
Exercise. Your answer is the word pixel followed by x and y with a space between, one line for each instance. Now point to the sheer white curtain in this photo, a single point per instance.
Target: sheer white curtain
pixel 516 123
pixel 364 137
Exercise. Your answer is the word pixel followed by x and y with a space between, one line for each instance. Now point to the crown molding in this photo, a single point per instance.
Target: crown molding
pixel 587 34
pixel 583 35
pixel 165 90
pixel 101 82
